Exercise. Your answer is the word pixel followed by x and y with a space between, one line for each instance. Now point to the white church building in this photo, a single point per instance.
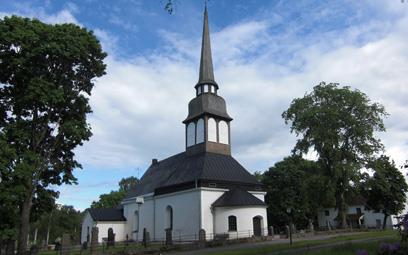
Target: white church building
pixel 203 187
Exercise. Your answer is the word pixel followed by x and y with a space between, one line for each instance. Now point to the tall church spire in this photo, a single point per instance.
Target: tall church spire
pixel 206 65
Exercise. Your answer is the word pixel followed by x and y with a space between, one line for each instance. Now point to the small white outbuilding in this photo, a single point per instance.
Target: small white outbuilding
pixel 103 219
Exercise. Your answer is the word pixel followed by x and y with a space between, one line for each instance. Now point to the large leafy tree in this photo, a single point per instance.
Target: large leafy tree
pixel 114 198
pixel 386 189
pixel 295 183
pixel 338 123
pixel 47 73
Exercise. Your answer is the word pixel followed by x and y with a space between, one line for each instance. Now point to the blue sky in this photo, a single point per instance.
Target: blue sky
pixel 265 54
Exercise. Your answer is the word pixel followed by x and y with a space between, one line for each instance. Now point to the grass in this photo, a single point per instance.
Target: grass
pixel 391 235
pixel 111 250
pixel 349 248
pixel 352 248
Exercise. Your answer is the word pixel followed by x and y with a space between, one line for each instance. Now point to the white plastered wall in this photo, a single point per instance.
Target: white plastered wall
pixel 87 223
pixel 118 228
pixel 244 217
pixel 146 217
pixel 186 214
pixel 208 197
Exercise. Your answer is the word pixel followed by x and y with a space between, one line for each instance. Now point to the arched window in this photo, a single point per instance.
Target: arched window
pixel 223 132
pixel 191 134
pixel 200 131
pixel 136 221
pixel 169 217
pixel 212 130
pixel 232 223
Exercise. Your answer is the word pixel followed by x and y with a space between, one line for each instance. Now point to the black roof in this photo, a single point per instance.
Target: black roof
pixel 237 197
pixel 183 168
pixel 107 214
pixel 207 103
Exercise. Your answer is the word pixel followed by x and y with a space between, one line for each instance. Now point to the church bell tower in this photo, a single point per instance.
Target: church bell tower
pixel 207 123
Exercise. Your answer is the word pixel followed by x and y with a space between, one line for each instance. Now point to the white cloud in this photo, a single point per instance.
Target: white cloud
pixel 63 16
pixel 139 105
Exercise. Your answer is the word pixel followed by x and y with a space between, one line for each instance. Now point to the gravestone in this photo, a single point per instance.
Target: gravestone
pixel 287 231
pixel 201 238
pixel 311 227
pixel 271 231
pixel 34 250
pixel 10 247
pixel 111 238
pixel 65 244
pixel 169 237
pixel 146 238
pixel 94 241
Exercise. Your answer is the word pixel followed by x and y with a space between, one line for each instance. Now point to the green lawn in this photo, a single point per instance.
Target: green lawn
pixel 349 248
pixel 390 235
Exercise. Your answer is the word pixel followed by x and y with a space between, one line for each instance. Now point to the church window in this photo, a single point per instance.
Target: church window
pixel 136 221
pixel 223 132
pixel 206 88
pixel 191 134
pixel 212 130
pixel 200 131
pixel 211 88
pixel 200 90
pixel 169 217
pixel 327 213
pixel 232 223
pixel 212 185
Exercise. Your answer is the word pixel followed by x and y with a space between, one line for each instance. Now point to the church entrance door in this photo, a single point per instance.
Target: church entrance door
pixel 257 226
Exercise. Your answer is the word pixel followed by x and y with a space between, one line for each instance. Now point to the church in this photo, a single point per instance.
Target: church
pixel 203 187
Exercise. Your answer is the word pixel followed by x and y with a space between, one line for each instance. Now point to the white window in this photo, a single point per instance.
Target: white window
pixel 223 132
pixel 211 88
pixel 205 88
pixel 191 134
pixel 200 90
pixel 212 130
pixel 200 131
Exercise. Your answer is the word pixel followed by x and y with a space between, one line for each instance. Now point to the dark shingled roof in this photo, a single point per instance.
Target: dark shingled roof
pixel 206 65
pixel 107 214
pixel 182 168
pixel 207 103
pixel 237 197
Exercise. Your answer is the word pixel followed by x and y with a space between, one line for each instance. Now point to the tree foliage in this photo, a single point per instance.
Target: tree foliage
pixel 114 198
pixel 295 183
pixel 339 124
pixel 386 189
pixel 47 73
pixel 62 219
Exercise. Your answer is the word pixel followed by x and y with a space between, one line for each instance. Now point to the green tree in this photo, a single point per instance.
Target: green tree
pixel 114 198
pixel 294 183
pixel 339 124
pixel 47 74
pixel 386 189
pixel 128 183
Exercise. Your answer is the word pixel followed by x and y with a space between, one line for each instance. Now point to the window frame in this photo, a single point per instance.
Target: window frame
pixel 232 223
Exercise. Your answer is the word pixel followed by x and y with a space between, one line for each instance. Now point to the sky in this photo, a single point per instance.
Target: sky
pixel 265 54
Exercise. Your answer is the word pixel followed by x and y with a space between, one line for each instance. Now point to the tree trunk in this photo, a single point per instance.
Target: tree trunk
pixel 341 208
pixel 24 224
pixel 385 220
